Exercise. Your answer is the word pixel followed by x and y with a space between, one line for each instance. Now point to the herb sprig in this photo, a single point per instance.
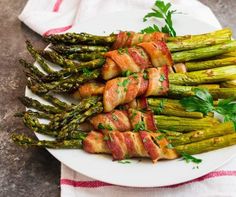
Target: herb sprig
pixel 202 101
pixel 161 11
pixel 189 158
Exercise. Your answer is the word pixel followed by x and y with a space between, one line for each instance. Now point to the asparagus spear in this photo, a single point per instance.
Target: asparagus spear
pixel 208 144
pixel 207 64
pixel 77 49
pixel 31 103
pixel 35 54
pixel 184 124
pixel 76 38
pixel 86 56
pixel 205 52
pixel 170 107
pixel 63 119
pixel 214 75
pixel 32 69
pixel 185 91
pixel 35 114
pixel 27 141
pixel 56 102
pixel 195 43
pixel 73 125
pixel 199 135
pixel 66 85
pixel 229 84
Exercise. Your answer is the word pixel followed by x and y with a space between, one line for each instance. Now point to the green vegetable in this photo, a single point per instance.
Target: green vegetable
pixel 202 101
pixel 139 126
pixel 161 11
pixel 189 158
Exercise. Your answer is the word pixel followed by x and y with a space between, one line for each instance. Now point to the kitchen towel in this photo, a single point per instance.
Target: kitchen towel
pixel 58 16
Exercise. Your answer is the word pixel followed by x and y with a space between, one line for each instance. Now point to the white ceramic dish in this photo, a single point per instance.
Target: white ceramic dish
pixel 139 173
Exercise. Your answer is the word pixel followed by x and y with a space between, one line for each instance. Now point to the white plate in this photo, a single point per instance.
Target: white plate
pixel 139 173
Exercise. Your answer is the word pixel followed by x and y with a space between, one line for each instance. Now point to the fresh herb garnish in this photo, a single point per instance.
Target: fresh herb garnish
pixel 122 50
pixel 169 146
pixel 124 161
pixel 133 115
pixel 161 11
pixel 123 83
pixel 145 75
pixel 160 107
pixel 139 126
pixel 107 127
pixel 162 78
pixel 126 73
pixel 160 137
pixel 189 158
pixel 202 101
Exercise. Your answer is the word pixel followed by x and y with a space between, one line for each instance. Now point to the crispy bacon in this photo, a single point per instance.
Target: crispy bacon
pixel 129 144
pixel 115 120
pixel 123 90
pixel 158 53
pixel 127 39
pixel 89 89
pixel 136 59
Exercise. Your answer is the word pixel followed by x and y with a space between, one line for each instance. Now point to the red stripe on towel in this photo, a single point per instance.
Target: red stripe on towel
pixel 95 184
pixel 87 184
pixel 56 6
pixel 57 30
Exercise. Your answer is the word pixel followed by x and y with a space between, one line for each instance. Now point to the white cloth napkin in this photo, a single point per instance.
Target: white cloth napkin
pixel 57 16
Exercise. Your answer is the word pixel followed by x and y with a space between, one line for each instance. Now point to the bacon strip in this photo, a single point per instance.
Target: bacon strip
pixel 136 59
pixel 158 52
pixel 127 39
pixel 123 90
pixel 115 120
pixel 129 144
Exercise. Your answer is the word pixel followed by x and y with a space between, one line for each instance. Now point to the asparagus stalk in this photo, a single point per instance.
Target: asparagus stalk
pixel 32 69
pixel 199 135
pixel 208 144
pixel 170 107
pixel 77 49
pixel 27 141
pixel 73 125
pixel 229 84
pixel 214 75
pixel 35 114
pixel 76 38
pixel 177 91
pixel 180 124
pixel 57 102
pixel 205 52
pixel 35 54
pixel 86 56
pixel 64 118
pixel 31 103
pixel 209 86
pixel 208 64
pixel 65 85
pixel 68 71
pixel 200 42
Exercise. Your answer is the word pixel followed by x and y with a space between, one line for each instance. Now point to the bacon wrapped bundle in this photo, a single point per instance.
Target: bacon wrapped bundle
pixel 122 145
pixel 130 38
pixel 123 90
pixel 136 59
pixel 122 120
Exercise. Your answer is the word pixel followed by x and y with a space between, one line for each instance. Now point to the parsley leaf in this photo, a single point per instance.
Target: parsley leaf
pixel 161 11
pixel 139 126
pixel 202 101
pixel 124 161
pixel 160 107
pixel 189 158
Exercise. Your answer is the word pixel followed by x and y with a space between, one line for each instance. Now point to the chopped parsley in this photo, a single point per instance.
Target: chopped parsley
pixel 133 115
pixel 126 73
pixel 128 33
pixel 122 50
pixel 162 78
pixel 169 146
pixel 189 158
pixel 124 161
pixel 161 106
pixel 139 126
pixel 107 127
pixel 160 137
pixel 145 75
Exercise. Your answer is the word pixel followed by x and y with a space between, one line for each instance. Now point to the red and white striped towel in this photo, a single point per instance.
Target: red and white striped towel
pixel 57 16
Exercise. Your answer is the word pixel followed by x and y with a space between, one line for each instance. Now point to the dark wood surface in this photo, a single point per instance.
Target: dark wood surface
pixel 34 172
